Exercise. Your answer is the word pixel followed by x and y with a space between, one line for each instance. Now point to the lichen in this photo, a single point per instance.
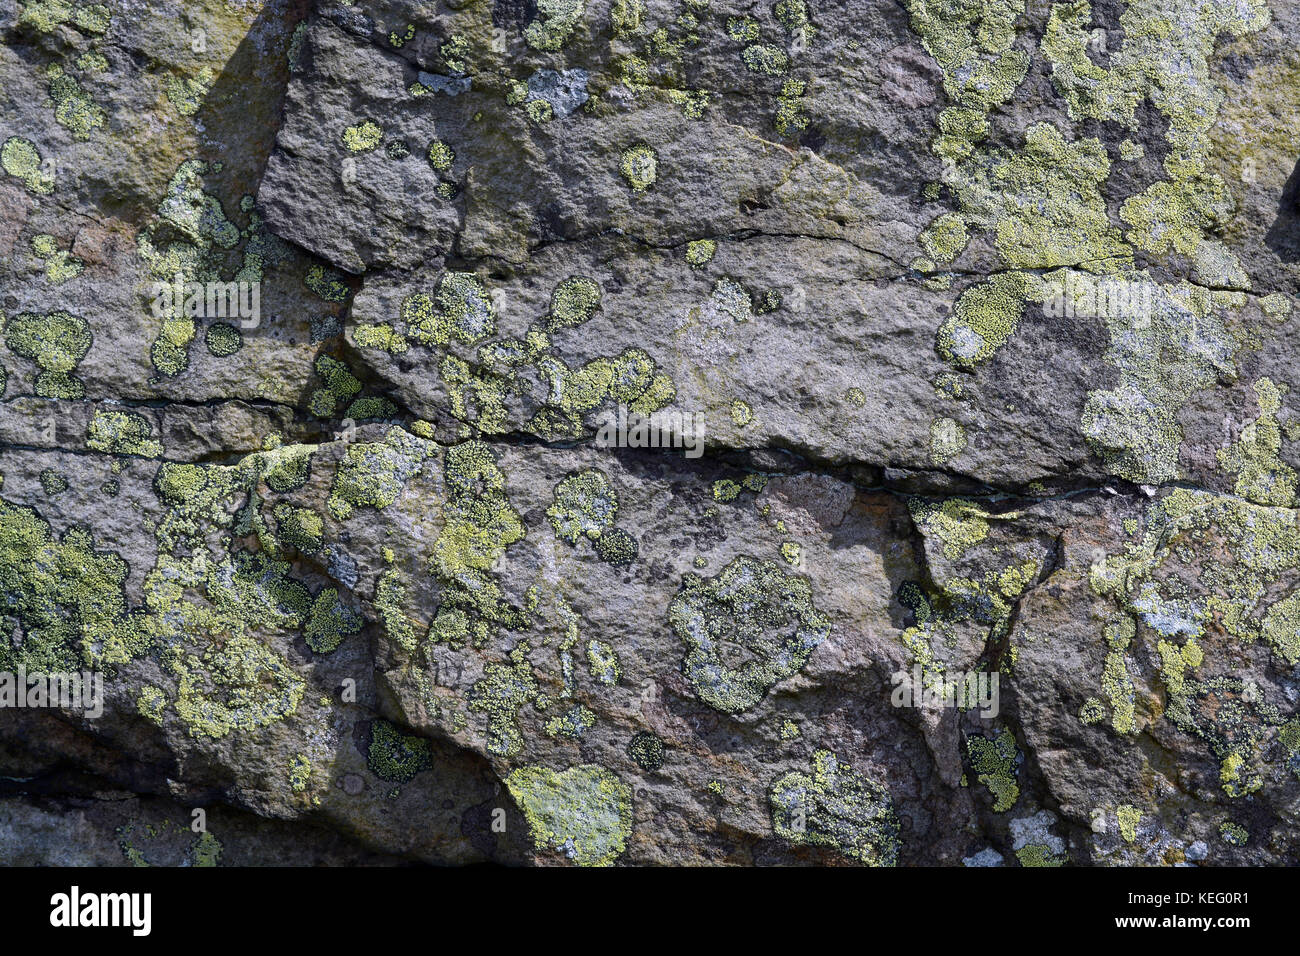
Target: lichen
pixel 373 474
pixel 394 756
pixel 555 23
pixel 753 605
pixel 584 812
pixel 640 167
pixel 363 137
pixel 995 762
pixel 1262 476
pixel 122 433
pixel 20 158
pixel 56 342
pixel 837 807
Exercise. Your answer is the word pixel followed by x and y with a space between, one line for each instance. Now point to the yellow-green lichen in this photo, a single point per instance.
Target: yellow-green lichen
pixel 73 107
pixel 1129 817
pixel 20 158
pixel 947 440
pixel 640 167
pixel 555 24
pixel 60 265
pixel 394 756
pixel 373 474
pixel 584 812
pixel 958 523
pixel 363 137
pixel 56 342
pixel 1262 476
pixel 700 252
pixel 995 763
pixel 122 433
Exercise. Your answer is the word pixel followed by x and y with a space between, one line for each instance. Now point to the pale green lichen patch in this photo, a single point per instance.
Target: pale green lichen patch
pixel 122 433
pixel 329 622
pixel 958 523
pixel 479 525
pixel 19 157
pixel 56 342
pixel 1179 213
pixel 67 596
pixel 586 506
pixel 1262 476
pixel 574 301
pixel 837 807
pixel 187 93
pixel 640 167
pixel 984 318
pixel 1254 552
pixel 555 24
pixel 1178 343
pixel 73 107
pixel 947 440
pixel 363 137
pixel 584 812
pixel 60 264
pixel 373 474
pixel 700 252
pixel 1129 817
pixel 754 605
pixel 504 690
pixel 603 663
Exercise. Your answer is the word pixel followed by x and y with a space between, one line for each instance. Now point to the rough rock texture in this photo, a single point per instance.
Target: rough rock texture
pixel 970 325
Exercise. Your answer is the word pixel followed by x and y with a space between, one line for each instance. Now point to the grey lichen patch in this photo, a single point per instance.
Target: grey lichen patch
pixel 1178 344
pixel 586 506
pixel 837 807
pixel 584 812
pixel 753 605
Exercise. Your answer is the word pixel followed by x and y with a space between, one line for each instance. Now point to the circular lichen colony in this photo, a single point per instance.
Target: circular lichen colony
pixel 753 606
pixel 640 167
pixel 647 750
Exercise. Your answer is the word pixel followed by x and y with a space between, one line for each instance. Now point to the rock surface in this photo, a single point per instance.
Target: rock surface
pixel 965 533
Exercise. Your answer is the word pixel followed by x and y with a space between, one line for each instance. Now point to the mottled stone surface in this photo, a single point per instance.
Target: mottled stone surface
pixel 970 328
